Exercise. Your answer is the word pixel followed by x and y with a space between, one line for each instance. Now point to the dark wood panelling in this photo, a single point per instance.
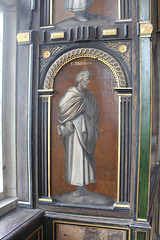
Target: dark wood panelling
pixel 154 208
pixel 158 15
pixel 48 230
pixel 155 215
pixel 84 32
pixel 21 223
pixel 37 234
pixel 106 156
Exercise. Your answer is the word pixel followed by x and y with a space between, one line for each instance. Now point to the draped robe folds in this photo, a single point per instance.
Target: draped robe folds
pixel 79 125
pixel 77 5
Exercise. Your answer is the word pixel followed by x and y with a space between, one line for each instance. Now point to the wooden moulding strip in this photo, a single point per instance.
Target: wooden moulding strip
pixel 159 15
pixel 51 12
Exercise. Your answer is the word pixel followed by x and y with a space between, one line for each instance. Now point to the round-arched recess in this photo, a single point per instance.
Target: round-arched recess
pixel 102 84
pixel 109 81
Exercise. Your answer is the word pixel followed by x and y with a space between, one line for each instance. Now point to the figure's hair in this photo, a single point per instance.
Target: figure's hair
pixel 80 74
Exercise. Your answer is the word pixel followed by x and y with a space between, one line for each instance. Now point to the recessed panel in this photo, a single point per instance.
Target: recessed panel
pixel 101 86
pixel 74 232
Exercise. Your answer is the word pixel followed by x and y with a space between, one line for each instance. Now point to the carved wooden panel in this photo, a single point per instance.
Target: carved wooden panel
pixel 111 85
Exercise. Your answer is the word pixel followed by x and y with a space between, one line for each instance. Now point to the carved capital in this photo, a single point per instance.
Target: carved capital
pixel 146 29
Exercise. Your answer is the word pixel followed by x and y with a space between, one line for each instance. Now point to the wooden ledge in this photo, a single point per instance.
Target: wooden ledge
pixel 20 221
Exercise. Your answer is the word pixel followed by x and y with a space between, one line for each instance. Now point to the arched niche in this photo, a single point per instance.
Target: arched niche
pixel 107 76
pixel 102 84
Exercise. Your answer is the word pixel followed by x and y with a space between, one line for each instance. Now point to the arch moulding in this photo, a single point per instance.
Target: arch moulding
pixel 94 53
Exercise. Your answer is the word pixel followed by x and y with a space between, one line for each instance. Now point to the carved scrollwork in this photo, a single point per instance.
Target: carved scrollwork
pixel 52 51
pixel 126 55
pixel 100 55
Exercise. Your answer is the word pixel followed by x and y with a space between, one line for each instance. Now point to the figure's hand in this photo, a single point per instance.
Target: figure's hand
pixel 65 129
pixel 69 127
pixel 59 130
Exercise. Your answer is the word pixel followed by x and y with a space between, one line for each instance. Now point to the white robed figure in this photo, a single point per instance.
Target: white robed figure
pixel 79 8
pixel 77 5
pixel 79 124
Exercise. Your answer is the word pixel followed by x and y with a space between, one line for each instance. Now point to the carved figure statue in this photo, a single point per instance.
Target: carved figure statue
pixel 79 124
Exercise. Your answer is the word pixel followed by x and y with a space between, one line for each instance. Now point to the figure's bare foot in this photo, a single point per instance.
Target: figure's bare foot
pixel 82 16
pixel 80 191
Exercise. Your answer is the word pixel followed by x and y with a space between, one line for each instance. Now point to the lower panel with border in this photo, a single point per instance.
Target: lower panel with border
pixel 75 231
